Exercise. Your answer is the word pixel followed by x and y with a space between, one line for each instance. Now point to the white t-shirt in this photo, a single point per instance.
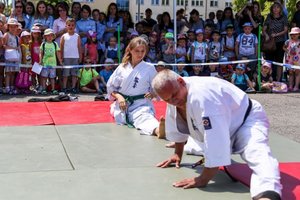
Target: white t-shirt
pixel 70 45
pixel 200 50
pixel 247 43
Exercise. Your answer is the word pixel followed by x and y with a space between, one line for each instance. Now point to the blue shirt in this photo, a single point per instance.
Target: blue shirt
pixel 240 79
pixel 45 22
pixel 100 29
pixel 183 73
pixel 111 23
pixel 105 74
pixel 85 25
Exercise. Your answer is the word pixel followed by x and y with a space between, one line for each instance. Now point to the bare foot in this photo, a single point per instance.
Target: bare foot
pixel 170 145
pixel 161 130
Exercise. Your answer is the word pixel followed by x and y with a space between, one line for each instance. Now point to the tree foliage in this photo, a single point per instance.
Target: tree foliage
pixel 54 2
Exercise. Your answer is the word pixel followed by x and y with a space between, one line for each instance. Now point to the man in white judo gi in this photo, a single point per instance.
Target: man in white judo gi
pixel 221 117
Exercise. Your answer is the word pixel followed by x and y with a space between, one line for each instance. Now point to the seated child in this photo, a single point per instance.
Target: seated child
pixel 180 70
pixel 106 73
pixel 160 66
pixel 199 70
pixel 240 79
pixel 88 79
pixel 265 77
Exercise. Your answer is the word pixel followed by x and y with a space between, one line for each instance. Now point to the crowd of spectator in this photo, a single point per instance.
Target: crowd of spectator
pixel 64 35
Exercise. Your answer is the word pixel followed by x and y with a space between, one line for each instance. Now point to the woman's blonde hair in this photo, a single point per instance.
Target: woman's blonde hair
pixel 135 42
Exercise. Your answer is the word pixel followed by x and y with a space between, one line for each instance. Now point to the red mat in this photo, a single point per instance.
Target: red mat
pixel 290 178
pixel 60 113
pixel 24 114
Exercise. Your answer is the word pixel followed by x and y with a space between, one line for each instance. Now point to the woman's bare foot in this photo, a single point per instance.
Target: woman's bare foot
pixel 160 131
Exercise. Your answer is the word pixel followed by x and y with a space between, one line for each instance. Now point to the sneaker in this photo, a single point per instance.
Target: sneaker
pixel 1 91
pixel 7 90
pixel 64 91
pixel 44 92
pixel 54 92
pixel 74 91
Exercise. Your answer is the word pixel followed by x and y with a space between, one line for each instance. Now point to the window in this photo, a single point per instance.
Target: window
pixel 228 4
pixel 141 2
pixel 180 2
pixel 193 2
pixel 213 3
pixel 197 3
pixel 155 2
pixel 165 2
pixel 123 4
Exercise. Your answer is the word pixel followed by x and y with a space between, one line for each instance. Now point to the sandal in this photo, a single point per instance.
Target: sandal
pixel 54 92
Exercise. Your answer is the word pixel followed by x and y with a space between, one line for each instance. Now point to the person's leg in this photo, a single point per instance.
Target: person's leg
pixel 1 77
pixel 87 90
pixel 252 143
pixel 297 80
pixel 279 54
pixel 291 79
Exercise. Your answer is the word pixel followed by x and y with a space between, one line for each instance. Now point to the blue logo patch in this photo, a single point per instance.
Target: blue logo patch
pixel 206 123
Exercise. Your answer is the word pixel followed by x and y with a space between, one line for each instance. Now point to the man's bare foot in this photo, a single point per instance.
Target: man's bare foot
pixel 170 145
pixel 161 129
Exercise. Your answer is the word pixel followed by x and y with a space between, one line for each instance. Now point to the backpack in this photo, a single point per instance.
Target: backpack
pixel 23 79
pixel 55 47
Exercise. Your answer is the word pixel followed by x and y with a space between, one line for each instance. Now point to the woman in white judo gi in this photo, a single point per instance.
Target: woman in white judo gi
pixel 130 87
pixel 222 117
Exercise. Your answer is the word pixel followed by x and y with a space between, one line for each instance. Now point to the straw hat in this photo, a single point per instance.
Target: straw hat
pixel 35 29
pixel 49 31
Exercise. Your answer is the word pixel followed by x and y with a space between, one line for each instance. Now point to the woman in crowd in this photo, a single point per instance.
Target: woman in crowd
pixel 276 26
pixel 59 25
pixel 2 16
pixel 29 13
pixel 41 16
pixel 127 21
pixel 227 18
pixel 51 10
pixel 19 15
pixel 112 21
pixel 75 10
pixel 85 24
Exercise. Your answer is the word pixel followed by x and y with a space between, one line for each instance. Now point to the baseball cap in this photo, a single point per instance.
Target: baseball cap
pixel 109 61
pixel 198 31
pixel 241 66
pixel 169 35
pixel 247 24
pixel 35 29
pixel 229 26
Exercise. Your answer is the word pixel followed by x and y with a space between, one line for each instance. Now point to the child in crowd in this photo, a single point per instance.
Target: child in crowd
pixel 91 47
pixel 246 47
pixel 106 73
pixel 112 49
pixel 215 51
pixel 12 55
pixel 23 80
pixel 160 66
pixel 181 48
pixel 70 44
pixel 199 50
pixel 199 70
pixel 88 78
pixel 168 49
pixel 228 43
pixel 208 29
pixel 49 53
pixel 265 77
pixel 36 41
pixel 191 39
pixel 1 57
pixel 292 56
pixel 153 54
pixel 180 69
pixel 225 70
pixel 240 79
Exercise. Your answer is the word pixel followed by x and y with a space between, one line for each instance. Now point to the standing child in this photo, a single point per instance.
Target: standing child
pixel 1 57
pixel 70 44
pixel 168 49
pixel 36 41
pixel 181 48
pixel 215 51
pixel 106 73
pixel 88 78
pixel 154 53
pixel 199 50
pixel 292 51
pixel 228 43
pixel 112 49
pixel 240 79
pixel 49 53
pixel 23 80
pixel 91 47
pixel 12 55
pixel 246 47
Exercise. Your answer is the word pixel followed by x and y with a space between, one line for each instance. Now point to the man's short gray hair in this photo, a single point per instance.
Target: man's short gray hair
pixel 162 78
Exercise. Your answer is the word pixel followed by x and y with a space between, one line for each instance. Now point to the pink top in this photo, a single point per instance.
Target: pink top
pixel 92 52
pixel 58 25
pixel 35 52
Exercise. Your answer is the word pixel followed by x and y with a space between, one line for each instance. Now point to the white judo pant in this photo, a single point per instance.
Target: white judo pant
pixel 251 142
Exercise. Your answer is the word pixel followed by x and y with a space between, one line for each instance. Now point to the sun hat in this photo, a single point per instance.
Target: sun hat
pixel 49 31
pixel 241 66
pixel 267 64
pixel 169 35
pixel 35 29
pixel 25 33
pixel 181 36
pixel 12 21
pixel 247 24
pixel 161 63
pixel 109 61
pixel 295 30
pixel 198 31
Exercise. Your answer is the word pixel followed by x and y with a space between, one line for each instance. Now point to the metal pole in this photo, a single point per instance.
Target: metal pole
pixel 139 10
pixel 119 44
pixel 205 9
pixel 259 57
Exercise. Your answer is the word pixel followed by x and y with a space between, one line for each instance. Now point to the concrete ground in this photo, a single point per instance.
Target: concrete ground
pixel 106 161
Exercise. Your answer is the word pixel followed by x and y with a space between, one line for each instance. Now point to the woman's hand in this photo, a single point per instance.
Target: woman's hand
pixel 122 103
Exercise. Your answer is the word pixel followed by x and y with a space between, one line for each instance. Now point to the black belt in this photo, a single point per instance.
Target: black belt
pixel 247 111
